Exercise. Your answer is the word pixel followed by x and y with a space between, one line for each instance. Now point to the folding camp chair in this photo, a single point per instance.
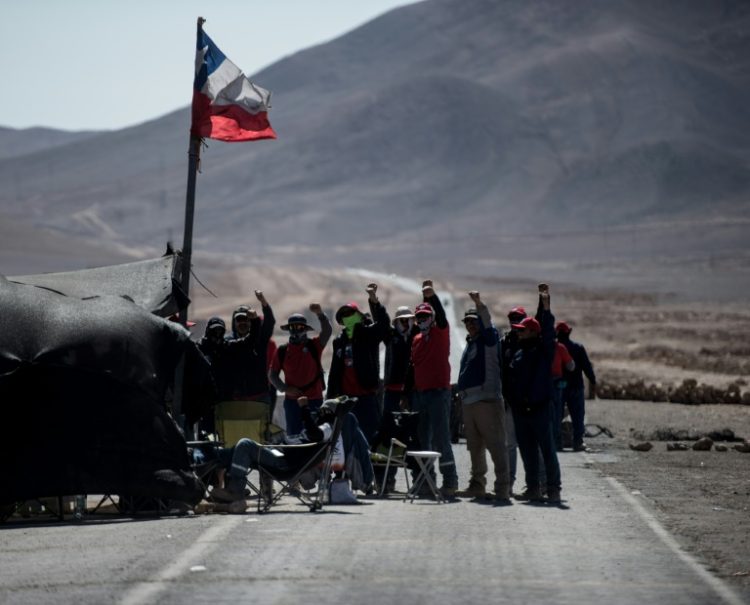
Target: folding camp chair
pixel 237 419
pixel 395 458
pixel 252 419
pixel 392 448
pixel 318 463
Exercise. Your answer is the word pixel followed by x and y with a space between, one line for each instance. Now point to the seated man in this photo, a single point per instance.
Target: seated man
pixel 247 454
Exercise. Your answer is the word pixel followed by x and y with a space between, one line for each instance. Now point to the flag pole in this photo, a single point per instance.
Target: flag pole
pixel 194 152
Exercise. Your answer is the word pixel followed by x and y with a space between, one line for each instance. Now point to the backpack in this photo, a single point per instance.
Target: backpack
pixel 281 352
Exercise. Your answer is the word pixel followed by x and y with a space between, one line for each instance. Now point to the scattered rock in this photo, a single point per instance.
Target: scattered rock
pixel 677 447
pixel 720 447
pixel 703 444
pixel 723 435
pixel 743 447
pixel 689 392
pixel 667 433
pixel 643 446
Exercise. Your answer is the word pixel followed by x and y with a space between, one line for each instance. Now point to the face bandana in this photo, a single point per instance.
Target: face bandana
pixel 350 322
pixel 404 327
pixel 297 337
pixel 424 324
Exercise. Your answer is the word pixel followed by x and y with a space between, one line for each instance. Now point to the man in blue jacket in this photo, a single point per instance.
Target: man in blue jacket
pixel 532 384
pixel 574 391
pixel 479 387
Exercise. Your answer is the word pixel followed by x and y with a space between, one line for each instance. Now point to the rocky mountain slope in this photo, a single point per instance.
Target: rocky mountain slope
pixel 587 135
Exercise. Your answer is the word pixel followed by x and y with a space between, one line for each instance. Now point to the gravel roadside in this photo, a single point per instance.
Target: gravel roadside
pixel 702 497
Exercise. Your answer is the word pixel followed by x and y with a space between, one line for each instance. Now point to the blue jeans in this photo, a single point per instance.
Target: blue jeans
pixel 434 407
pixel 533 431
pixel 558 405
pixel 510 438
pixel 577 408
pixel 247 454
pixel 293 416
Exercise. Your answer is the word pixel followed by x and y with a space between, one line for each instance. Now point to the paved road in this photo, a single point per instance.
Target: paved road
pixel 601 547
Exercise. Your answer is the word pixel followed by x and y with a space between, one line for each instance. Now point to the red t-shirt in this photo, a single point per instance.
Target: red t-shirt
pixel 270 352
pixel 561 359
pixel 300 367
pixel 429 354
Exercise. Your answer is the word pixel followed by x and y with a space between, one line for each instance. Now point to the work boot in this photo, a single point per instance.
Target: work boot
pixel 237 507
pixel 448 492
pixel 553 495
pixel 579 447
pixel 532 494
pixel 501 500
pixel 221 494
pixel 475 490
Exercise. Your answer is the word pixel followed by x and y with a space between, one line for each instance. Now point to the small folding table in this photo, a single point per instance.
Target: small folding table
pixel 426 462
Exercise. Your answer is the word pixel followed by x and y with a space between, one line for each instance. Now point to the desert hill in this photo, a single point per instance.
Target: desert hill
pixel 601 141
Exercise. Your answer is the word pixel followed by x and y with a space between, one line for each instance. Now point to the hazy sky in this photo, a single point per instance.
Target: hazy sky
pixel 106 64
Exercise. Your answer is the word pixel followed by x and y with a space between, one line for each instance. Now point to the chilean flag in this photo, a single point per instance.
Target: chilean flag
pixel 227 106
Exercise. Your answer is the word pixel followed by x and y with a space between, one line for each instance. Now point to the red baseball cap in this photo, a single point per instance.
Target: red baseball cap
pixel 517 312
pixel 424 309
pixel 529 323
pixel 563 327
pixel 343 309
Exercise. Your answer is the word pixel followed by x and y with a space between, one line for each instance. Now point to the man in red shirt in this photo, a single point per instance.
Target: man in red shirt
pixel 431 395
pixel 300 362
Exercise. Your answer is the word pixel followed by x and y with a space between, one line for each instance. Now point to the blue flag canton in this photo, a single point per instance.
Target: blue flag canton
pixel 210 58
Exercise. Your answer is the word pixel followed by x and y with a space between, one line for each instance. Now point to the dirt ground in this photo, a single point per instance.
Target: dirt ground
pixel 658 339
pixel 703 497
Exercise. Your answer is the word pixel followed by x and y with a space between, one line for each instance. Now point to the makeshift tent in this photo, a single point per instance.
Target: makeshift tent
pixel 152 284
pixel 82 391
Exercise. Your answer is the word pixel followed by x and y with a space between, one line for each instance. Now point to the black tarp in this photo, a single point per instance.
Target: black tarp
pixel 152 284
pixel 82 387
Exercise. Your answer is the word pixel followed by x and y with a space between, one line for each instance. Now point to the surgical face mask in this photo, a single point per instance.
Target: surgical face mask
pixel 349 323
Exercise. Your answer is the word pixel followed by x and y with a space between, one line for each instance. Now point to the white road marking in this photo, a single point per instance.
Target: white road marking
pixel 146 592
pixel 722 590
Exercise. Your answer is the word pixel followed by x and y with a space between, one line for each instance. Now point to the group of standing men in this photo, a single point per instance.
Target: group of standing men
pixel 511 374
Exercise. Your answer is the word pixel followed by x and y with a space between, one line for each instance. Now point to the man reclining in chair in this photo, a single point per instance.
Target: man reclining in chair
pixel 247 454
